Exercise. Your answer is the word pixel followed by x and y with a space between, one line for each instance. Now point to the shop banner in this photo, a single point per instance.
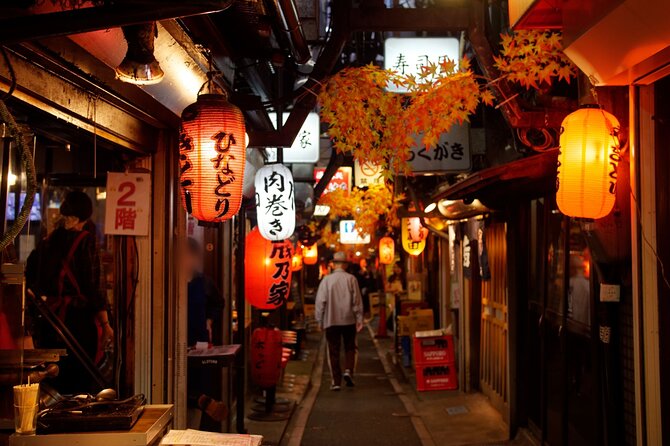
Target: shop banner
pixel 341 179
pixel 128 203
pixel 484 270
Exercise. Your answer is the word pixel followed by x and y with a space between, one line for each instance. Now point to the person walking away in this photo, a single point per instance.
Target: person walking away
pixel 339 311
pixel 64 270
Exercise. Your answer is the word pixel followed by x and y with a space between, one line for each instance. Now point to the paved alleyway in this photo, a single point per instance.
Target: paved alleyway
pixel 368 414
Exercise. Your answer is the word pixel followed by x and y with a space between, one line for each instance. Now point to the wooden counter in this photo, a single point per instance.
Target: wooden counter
pixel 148 431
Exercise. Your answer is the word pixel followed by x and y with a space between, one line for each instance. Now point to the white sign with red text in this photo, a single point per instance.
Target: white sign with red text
pixel 128 203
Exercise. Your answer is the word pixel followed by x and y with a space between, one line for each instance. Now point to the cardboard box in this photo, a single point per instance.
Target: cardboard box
pixel 418 320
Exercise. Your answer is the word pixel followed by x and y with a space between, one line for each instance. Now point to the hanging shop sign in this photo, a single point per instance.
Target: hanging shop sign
pixel 451 154
pixel 366 174
pixel 310 254
pixel 482 252
pixel 406 55
pixel 410 246
pixel 128 203
pixel 305 147
pixel 386 250
pixel 212 143
pixel 275 202
pixel 587 163
pixel 341 180
pixel 349 234
pixel 267 271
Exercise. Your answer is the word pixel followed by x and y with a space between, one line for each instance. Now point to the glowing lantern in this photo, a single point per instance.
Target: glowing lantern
pixel 386 250
pixel 296 260
pixel 416 230
pixel 587 163
pixel 211 156
pixel 275 202
pixel 310 254
pixel 409 245
pixel 267 271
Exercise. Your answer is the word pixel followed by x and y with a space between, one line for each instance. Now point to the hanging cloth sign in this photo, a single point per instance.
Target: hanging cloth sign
pixel 275 202
pixel 128 203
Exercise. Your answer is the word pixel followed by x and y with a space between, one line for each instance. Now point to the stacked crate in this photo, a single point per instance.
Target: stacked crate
pixel 434 361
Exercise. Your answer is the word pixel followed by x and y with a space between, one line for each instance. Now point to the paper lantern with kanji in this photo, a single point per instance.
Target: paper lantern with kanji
pixel 296 260
pixel 267 271
pixel 275 202
pixel 386 250
pixel 310 254
pixel 409 245
pixel 266 357
pixel 417 231
pixel 212 145
pixel 587 163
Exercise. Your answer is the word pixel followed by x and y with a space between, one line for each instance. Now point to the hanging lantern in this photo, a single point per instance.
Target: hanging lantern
pixel 296 260
pixel 266 357
pixel 386 250
pixel 409 245
pixel 310 254
pixel 211 155
pixel 275 202
pixel 587 163
pixel 267 271
pixel 417 232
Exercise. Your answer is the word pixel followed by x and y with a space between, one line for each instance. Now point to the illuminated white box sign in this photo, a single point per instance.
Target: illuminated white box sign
pixel 305 148
pixel 349 235
pixel 406 55
pixel 451 154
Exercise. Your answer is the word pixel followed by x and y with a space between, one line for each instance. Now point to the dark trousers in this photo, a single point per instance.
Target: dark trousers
pixel 334 336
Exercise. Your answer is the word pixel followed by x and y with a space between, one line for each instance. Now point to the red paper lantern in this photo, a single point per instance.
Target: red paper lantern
pixel 212 148
pixel 267 271
pixel 266 357
pixel 417 232
pixel 296 260
pixel 310 254
pixel 386 250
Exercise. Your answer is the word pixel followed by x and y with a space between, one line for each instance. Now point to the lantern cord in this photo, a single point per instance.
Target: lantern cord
pixel 638 211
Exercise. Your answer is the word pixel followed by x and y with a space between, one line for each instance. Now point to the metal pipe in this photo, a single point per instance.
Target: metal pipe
pixel 240 305
pixel 292 28
pixel 122 12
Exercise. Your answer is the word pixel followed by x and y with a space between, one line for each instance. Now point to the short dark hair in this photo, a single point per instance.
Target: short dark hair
pixel 77 204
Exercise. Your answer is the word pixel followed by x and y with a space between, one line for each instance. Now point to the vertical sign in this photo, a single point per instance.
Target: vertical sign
pixel 128 203
pixel 305 147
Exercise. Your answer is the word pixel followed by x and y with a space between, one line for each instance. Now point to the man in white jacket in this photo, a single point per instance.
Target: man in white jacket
pixel 339 311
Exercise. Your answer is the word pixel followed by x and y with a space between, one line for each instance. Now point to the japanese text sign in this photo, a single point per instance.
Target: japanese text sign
pixel 305 147
pixel 275 202
pixel 349 235
pixel 128 203
pixel 406 55
pixel 341 179
pixel 366 174
pixel 451 154
pixel 267 276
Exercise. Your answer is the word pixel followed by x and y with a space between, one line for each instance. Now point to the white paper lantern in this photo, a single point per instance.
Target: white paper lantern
pixel 275 202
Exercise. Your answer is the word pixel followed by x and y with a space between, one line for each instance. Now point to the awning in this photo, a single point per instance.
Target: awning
pixel 530 177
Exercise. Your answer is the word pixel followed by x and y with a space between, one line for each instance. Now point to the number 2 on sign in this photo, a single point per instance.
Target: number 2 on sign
pixel 124 199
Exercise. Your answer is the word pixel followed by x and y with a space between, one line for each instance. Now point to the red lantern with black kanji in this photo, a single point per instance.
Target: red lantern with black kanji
pixel 386 250
pixel 267 271
pixel 212 146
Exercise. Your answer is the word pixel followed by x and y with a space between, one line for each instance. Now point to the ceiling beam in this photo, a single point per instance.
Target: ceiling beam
pixel 119 13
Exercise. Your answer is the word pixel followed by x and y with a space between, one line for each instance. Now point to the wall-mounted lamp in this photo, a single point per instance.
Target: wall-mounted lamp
pixel 140 67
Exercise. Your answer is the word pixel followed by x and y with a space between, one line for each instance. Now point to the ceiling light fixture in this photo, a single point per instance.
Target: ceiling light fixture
pixel 140 67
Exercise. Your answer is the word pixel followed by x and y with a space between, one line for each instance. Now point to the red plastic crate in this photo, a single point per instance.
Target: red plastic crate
pixel 439 349
pixel 436 377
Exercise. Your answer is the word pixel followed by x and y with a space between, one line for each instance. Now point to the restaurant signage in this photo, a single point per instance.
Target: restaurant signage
pixel 275 202
pixel 406 55
pixel 349 235
pixel 341 180
pixel 128 203
pixel 451 154
pixel 305 147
